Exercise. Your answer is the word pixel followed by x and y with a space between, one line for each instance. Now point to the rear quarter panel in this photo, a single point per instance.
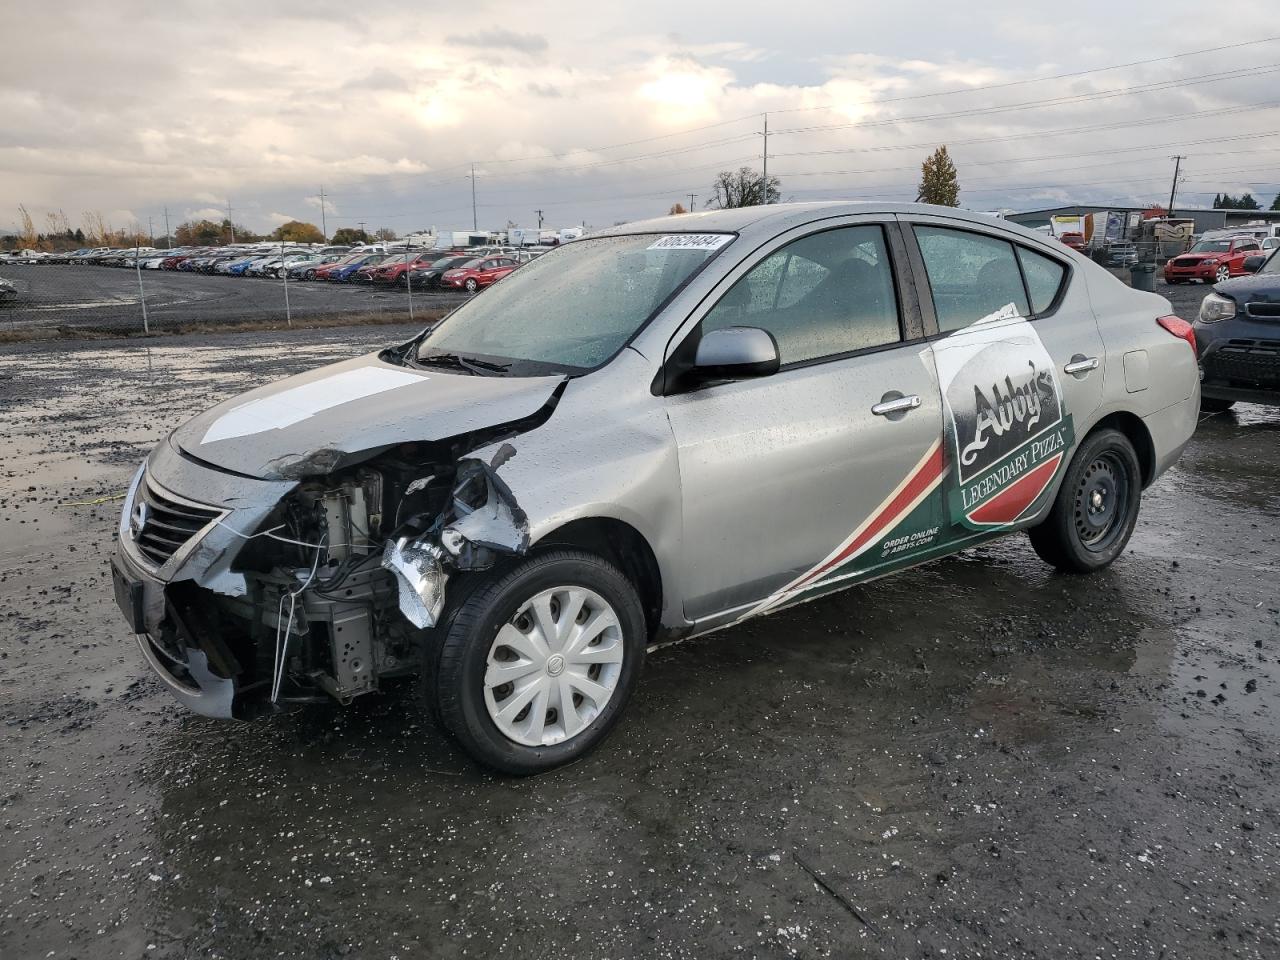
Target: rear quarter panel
pixel 1146 370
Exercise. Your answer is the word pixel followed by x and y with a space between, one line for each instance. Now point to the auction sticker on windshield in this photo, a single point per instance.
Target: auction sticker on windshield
pixel 691 241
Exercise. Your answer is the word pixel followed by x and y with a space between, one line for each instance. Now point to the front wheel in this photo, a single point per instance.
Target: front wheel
pixel 1222 274
pixel 1096 509
pixel 472 285
pixel 539 660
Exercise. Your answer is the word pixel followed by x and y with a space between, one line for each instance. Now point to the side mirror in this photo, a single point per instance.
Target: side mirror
pixel 736 353
pixel 1254 264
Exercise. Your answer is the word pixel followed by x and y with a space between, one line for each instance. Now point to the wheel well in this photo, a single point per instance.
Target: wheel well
pixel 624 546
pixel 1131 426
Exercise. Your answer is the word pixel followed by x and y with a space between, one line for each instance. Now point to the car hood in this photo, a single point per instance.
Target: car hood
pixel 1255 288
pixel 316 422
pixel 1199 256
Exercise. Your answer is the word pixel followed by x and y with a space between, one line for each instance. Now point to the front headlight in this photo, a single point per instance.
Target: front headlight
pixel 1209 261
pixel 1215 308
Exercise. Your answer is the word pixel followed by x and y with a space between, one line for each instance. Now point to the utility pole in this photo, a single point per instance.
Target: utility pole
pixel 361 225
pixel 474 223
pixel 230 224
pixel 539 213
pixel 692 197
pixel 764 180
pixel 324 227
pixel 168 244
pixel 151 230
pixel 1173 191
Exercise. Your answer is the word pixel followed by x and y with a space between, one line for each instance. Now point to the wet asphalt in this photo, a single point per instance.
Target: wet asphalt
pixel 976 758
pixel 77 298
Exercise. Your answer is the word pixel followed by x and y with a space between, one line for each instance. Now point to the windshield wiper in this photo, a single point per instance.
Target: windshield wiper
pixel 472 365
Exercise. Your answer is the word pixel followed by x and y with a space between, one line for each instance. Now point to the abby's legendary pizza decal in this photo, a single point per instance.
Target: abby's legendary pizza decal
pixel 1006 425
pixel 1005 434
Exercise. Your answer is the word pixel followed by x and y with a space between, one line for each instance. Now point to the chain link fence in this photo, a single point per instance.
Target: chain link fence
pixel 140 291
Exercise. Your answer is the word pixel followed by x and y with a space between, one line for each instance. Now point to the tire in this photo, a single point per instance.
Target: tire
pixel 1214 405
pixel 1096 508
pixel 470 698
pixel 1222 274
pixel 309 275
pixel 472 285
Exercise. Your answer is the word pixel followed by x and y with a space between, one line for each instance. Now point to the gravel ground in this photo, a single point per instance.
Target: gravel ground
pixel 108 298
pixel 976 758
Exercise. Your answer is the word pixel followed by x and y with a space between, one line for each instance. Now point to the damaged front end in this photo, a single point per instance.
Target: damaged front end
pixel 310 588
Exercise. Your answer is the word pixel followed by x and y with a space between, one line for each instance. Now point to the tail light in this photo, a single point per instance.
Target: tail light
pixel 1180 329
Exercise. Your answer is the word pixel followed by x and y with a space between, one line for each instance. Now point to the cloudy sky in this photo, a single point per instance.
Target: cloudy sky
pixel 598 112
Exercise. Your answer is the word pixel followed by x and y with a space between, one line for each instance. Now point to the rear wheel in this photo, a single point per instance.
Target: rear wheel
pixel 1096 508
pixel 1214 405
pixel 538 661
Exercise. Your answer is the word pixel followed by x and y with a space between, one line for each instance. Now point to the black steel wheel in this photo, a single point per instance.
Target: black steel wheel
pixel 1096 508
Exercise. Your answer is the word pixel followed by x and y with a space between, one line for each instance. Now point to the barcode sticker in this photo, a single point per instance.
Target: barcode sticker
pixel 691 241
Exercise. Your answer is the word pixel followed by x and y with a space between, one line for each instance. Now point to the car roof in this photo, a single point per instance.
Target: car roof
pixel 775 218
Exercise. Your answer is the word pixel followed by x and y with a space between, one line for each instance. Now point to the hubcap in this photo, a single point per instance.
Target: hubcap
pixel 1100 502
pixel 1224 273
pixel 554 666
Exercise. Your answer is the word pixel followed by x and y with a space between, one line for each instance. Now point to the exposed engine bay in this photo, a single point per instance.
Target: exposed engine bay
pixel 346 574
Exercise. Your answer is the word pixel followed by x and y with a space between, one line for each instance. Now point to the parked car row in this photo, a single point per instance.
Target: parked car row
pixel 459 269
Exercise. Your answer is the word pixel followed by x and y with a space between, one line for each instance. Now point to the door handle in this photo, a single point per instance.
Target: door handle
pixel 1081 365
pixel 901 405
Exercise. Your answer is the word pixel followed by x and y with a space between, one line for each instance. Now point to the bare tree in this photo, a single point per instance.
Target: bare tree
pixel 676 210
pixel 744 188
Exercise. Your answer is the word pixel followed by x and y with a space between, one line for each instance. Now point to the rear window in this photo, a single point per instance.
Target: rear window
pixel 1044 277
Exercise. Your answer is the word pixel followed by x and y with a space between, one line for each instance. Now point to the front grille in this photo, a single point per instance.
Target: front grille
pixel 1268 310
pixel 161 524
pixel 1245 362
pixel 1186 262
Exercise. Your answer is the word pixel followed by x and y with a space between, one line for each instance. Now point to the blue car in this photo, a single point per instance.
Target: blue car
pixel 345 272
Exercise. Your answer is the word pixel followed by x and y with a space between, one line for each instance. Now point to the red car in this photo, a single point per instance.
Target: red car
pixel 1213 261
pixel 1073 240
pixel 478 273
pixel 394 269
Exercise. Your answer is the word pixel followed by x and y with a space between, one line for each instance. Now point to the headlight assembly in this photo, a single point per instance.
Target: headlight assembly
pixel 1215 308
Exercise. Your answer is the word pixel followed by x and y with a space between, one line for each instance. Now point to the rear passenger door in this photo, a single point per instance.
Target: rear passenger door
pixel 1019 359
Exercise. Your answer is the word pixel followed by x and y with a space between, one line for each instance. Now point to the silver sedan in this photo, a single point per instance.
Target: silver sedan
pixel 646 434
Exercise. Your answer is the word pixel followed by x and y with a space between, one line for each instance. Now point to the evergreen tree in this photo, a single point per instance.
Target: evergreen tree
pixel 938 182
pixel 1275 204
pixel 1217 201
pixel 1248 203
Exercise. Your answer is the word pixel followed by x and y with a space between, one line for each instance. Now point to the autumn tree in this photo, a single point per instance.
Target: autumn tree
pixel 349 235
pixel 676 210
pixel 744 187
pixel 198 233
pixel 385 234
pixel 27 236
pixel 938 182
pixel 296 231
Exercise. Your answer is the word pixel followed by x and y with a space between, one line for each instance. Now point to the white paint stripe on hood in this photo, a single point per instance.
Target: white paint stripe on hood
pixel 298 403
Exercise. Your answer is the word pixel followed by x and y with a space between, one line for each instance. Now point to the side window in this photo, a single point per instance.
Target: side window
pixel 971 275
pixel 821 295
pixel 1044 278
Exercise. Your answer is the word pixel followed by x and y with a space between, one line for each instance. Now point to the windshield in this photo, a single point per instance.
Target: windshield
pixel 576 307
pixel 1212 246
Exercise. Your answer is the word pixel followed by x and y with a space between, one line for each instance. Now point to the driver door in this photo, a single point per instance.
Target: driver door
pixel 790 482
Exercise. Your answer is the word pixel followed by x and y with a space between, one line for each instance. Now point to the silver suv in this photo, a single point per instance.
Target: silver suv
pixel 649 433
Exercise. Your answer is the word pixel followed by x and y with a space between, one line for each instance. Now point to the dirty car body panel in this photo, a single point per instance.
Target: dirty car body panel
pixel 933 374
